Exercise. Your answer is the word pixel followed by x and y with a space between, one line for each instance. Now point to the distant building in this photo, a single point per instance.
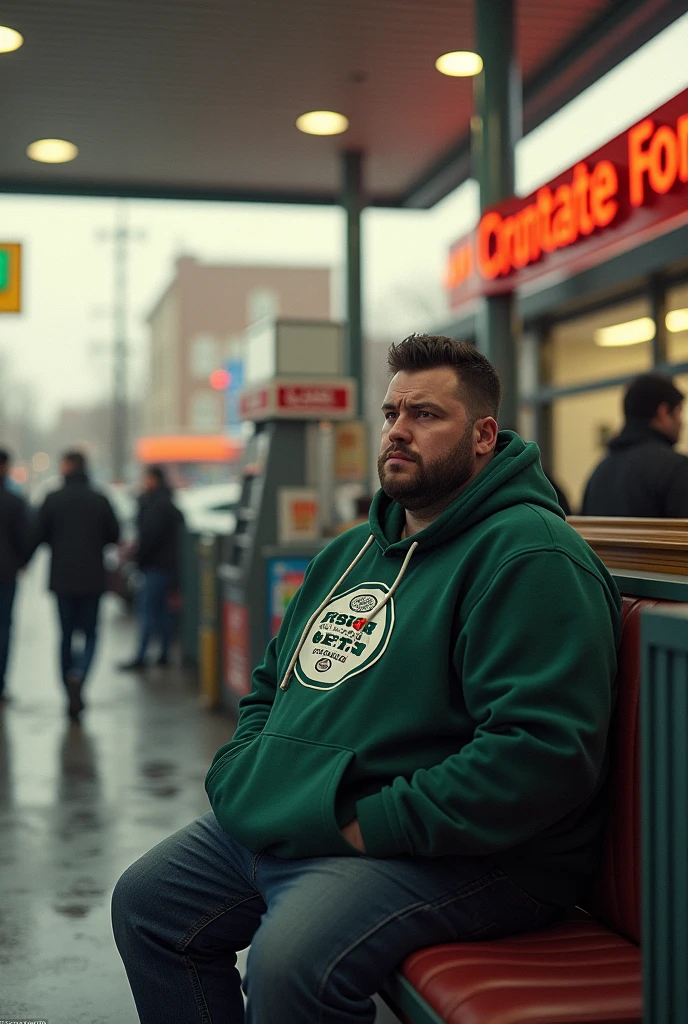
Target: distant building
pixel 194 328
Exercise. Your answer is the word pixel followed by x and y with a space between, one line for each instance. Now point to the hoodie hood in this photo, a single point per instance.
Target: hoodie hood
pixel 637 432
pixel 513 477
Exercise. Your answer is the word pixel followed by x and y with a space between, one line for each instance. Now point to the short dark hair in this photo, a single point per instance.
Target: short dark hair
pixel 479 386
pixel 158 473
pixel 5 457
pixel 646 393
pixel 76 459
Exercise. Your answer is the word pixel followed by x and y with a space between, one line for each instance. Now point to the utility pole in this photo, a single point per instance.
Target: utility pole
pixel 121 236
pixel 120 424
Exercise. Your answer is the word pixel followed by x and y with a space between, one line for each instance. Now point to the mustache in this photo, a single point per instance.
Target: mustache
pixel 397 449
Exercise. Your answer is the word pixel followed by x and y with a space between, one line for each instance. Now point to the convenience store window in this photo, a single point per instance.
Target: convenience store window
pixel 585 350
pixel 677 324
pixel 581 426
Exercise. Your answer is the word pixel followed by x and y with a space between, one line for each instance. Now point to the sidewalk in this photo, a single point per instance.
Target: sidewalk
pixel 79 803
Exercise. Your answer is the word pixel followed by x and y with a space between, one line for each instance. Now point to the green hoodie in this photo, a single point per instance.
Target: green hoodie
pixel 468 715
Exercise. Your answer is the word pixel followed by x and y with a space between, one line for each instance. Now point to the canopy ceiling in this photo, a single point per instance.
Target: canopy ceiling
pixel 198 100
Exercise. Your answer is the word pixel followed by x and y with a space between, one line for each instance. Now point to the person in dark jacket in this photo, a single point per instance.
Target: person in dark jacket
pixel 14 526
pixel 77 523
pixel 159 524
pixel 642 475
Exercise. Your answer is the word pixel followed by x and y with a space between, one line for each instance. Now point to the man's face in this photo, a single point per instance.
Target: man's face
pixel 669 421
pixel 427 451
pixel 149 482
pixel 676 422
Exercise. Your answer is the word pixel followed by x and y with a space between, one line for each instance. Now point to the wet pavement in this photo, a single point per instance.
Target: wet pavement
pixel 79 803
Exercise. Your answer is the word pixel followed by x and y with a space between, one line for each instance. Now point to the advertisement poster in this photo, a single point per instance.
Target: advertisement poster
pixel 237 655
pixel 298 515
pixel 351 451
pixel 285 576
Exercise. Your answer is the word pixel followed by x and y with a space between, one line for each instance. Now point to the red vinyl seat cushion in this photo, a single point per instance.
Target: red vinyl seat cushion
pixel 579 971
pixel 576 972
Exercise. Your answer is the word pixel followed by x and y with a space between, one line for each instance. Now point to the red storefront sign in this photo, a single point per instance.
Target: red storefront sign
pixel 631 189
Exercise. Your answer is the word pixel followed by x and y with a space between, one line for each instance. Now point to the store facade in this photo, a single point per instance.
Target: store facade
pixel 598 262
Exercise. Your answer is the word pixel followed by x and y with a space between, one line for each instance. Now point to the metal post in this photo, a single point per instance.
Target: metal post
pixel 119 348
pixel 496 129
pixel 352 201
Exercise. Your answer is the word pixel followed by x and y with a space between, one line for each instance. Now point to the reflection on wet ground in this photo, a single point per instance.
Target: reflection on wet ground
pixel 80 803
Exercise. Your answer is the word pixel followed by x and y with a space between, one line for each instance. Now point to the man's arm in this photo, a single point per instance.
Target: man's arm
pixel 111 524
pixel 40 530
pixel 676 501
pixel 537 660
pixel 20 525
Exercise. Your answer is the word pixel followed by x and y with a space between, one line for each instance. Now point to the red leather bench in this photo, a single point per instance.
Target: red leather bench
pixel 585 970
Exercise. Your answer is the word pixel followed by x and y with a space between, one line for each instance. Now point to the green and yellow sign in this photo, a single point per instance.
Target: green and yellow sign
pixel 10 277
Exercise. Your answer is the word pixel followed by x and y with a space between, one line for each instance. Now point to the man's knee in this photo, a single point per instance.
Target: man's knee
pixel 291 967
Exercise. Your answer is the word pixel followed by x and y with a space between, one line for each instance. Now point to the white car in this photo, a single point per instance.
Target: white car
pixel 209 508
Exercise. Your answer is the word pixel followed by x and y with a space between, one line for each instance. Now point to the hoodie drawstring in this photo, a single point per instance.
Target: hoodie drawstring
pixel 284 685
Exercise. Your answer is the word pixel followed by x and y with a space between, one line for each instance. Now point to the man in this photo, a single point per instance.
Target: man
pixel 159 525
pixel 642 475
pixel 14 523
pixel 422 757
pixel 77 522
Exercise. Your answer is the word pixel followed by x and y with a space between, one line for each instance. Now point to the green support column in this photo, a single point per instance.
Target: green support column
pixel 496 129
pixel 352 201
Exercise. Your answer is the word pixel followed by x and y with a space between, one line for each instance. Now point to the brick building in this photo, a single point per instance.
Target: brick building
pixel 196 323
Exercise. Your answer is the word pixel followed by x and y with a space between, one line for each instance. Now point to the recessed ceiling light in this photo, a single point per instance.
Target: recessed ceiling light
pixel 10 39
pixel 322 122
pixel 52 151
pixel 677 320
pixel 460 63
pixel 632 332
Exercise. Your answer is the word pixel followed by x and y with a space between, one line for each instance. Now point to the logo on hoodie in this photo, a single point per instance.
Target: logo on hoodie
pixel 344 641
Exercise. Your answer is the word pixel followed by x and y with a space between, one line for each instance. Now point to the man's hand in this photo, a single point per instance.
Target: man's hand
pixel 352 834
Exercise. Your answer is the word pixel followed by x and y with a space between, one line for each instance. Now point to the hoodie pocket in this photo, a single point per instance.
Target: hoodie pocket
pixel 280 796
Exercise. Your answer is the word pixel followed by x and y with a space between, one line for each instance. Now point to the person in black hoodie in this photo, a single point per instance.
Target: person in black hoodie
pixel 77 523
pixel 14 526
pixel 159 524
pixel 642 475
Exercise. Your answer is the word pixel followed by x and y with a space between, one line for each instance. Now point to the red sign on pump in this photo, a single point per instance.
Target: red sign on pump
pixel 631 189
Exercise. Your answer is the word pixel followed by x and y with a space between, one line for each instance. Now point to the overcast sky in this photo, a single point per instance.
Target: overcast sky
pixel 58 344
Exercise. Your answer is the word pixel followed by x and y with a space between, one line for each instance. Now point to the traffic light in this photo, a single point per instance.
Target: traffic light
pixel 10 277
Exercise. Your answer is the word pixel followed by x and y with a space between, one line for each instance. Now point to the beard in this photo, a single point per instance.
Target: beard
pixel 432 484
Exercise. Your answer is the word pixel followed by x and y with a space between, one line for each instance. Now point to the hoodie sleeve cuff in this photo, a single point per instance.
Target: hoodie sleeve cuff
pixel 380 837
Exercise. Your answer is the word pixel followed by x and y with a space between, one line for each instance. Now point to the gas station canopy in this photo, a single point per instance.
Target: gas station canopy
pixel 199 100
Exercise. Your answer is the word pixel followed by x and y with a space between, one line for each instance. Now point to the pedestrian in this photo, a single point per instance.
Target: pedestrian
pixel 157 556
pixel 642 475
pixel 422 758
pixel 77 522
pixel 14 548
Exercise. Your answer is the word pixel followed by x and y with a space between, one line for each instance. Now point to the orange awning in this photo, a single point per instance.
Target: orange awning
pixel 188 448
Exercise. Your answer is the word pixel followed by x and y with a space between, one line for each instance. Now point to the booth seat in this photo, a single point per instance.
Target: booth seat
pixel 583 970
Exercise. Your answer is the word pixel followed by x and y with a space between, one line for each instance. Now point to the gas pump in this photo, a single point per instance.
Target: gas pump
pixel 294 391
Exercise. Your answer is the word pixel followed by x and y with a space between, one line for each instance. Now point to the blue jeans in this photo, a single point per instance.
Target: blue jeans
pixel 7 591
pixel 324 932
pixel 156 618
pixel 78 614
